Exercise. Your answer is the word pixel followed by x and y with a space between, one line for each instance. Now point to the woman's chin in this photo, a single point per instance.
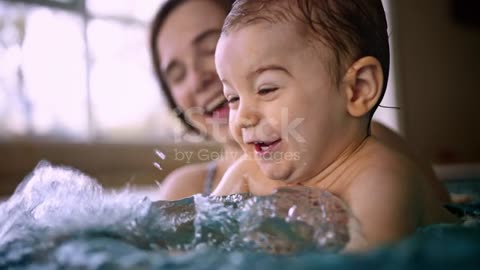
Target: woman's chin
pixel 222 135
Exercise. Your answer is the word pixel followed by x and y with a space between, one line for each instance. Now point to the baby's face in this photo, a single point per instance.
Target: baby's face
pixel 285 110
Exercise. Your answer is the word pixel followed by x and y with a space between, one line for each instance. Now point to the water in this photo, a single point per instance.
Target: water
pixel 59 218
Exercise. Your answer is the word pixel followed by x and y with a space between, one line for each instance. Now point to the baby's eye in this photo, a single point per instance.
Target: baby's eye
pixel 266 90
pixel 232 100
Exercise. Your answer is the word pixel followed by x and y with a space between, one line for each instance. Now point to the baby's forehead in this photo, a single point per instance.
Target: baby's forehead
pixel 268 32
pixel 265 44
pixel 275 37
pixel 263 38
pixel 247 12
pixel 284 16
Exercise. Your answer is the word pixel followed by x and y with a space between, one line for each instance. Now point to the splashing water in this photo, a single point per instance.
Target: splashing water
pixel 59 218
pixel 162 156
pixel 56 205
pixel 296 218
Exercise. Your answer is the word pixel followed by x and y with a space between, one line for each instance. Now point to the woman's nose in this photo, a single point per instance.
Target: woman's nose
pixel 203 75
pixel 201 80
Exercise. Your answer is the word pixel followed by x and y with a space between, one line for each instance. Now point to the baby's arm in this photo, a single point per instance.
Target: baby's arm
pixel 386 206
pixel 245 176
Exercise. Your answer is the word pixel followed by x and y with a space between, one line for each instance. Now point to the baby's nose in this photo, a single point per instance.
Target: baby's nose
pixel 248 122
pixel 247 116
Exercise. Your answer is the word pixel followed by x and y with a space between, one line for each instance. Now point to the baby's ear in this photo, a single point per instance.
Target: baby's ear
pixel 363 82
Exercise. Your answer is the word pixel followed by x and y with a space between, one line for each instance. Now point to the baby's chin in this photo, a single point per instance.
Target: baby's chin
pixel 277 171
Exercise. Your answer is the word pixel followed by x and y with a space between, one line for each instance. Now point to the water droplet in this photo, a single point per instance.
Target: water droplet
pixel 156 165
pixel 160 154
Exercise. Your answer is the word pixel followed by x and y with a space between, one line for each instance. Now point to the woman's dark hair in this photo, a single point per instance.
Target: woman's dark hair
pixel 157 24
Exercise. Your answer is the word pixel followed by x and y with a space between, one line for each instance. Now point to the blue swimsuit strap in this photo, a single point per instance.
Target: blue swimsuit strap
pixel 209 178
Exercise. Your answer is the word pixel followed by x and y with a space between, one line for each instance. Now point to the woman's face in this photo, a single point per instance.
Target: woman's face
pixel 186 46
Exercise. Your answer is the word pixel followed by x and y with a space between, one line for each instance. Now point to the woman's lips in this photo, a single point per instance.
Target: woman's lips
pixel 265 149
pixel 221 112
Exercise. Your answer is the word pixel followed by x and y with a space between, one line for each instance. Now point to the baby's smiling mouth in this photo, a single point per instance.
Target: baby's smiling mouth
pixel 266 147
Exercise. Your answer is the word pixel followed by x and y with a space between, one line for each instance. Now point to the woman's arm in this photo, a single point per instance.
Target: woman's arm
pixel 183 182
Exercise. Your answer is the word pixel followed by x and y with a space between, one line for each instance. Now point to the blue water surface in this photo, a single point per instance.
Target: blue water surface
pixel 59 218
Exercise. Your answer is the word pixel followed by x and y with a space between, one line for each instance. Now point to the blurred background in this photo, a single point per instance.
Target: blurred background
pixel 77 88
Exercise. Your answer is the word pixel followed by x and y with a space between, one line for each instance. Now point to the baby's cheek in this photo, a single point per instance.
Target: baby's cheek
pixel 233 127
pixel 236 134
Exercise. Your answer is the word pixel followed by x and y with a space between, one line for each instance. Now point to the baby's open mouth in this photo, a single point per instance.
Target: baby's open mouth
pixel 265 147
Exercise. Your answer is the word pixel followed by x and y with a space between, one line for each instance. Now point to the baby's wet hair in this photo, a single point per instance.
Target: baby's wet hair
pixel 352 29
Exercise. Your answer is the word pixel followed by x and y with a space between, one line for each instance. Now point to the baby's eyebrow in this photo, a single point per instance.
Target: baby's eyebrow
pixel 262 69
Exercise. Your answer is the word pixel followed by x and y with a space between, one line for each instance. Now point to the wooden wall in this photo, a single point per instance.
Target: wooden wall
pixel 438 76
pixel 113 165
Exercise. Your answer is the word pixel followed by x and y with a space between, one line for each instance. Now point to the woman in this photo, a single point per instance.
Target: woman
pixel 182 42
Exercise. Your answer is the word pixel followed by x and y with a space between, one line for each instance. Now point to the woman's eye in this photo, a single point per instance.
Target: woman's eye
pixel 207 47
pixel 207 51
pixel 265 91
pixel 176 76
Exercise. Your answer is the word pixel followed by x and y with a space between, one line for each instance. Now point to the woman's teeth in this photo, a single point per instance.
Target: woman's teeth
pixel 214 105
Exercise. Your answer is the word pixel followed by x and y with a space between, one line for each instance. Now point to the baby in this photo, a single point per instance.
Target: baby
pixel 303 79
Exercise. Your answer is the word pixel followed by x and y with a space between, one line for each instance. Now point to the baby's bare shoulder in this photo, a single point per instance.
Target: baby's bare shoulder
pixel 379 160
pixel 385 172
pixel 385 195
